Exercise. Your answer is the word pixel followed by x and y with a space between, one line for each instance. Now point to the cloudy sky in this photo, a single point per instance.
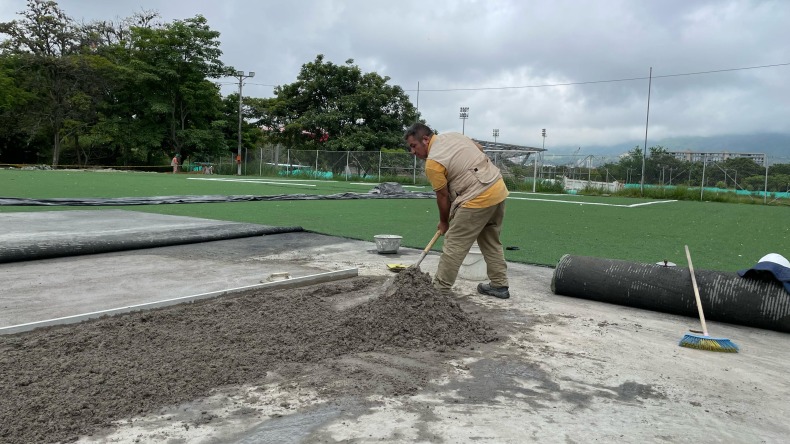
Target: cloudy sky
pixel 578 68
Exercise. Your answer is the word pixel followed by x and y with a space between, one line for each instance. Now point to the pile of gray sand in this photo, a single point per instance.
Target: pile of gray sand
pixel 58 383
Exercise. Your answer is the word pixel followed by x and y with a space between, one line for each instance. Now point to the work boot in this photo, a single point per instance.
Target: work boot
pixel 445 291
pixel 497 292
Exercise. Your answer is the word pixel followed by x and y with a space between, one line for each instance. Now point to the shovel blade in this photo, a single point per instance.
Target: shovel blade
pixel 396 267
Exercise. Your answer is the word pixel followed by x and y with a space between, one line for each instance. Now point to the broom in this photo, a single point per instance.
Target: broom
pixel 704 342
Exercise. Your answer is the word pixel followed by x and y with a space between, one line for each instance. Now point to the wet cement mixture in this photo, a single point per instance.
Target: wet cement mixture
pixel 60 383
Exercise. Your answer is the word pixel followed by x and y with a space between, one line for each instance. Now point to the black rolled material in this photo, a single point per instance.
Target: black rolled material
pixel 160 200
pixel 92 243
pixel 726 297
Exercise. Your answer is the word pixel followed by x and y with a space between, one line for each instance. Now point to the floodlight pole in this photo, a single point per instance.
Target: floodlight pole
pixel 463 115
pixel 496 134
pixel 535 168
pixel 241 76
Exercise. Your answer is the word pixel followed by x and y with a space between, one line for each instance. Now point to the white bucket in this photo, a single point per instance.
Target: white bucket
pixel 387 243
pixel 473 268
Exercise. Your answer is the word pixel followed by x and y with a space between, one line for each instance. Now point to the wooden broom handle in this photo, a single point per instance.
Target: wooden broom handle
pixel 696 293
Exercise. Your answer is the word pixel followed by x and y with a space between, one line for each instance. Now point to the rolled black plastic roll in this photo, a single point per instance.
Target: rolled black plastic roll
pixel 123 240
pixel 726 297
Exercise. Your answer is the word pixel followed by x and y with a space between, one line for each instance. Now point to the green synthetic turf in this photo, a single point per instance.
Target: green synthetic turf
pixel 725 237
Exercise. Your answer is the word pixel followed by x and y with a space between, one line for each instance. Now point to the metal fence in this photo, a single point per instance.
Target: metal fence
pixel 522 168
pixel 357 165
pixel 335 165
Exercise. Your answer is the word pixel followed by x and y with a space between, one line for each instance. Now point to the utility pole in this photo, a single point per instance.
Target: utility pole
pixel 241 76
pixel 647 120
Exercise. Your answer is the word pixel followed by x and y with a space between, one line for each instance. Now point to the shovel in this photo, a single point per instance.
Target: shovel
pixel 399 267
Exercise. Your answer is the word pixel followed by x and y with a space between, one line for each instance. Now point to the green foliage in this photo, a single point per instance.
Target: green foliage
pixel 337 108
pixel 251 135
pixel 124 93
pixel 172 65
pixel 542 186
pixel 688 193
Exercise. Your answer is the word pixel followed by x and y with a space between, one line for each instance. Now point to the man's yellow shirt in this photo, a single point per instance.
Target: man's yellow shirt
pixel 437 175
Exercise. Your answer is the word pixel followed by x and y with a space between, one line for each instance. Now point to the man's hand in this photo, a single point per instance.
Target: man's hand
pixel 443 227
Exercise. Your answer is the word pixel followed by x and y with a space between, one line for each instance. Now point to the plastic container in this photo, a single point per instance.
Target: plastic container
pixel 473 268
pixel 387 243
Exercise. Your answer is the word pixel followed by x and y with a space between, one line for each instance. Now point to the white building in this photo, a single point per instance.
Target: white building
pixel 692 156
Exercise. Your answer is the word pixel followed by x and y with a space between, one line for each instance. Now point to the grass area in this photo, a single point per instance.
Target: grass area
pixel 721 236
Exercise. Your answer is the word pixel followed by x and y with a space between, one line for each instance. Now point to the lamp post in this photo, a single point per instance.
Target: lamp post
pixel 496 134
pixel 543 133
pixel 463 115
pixel 535 167
pixel 241 76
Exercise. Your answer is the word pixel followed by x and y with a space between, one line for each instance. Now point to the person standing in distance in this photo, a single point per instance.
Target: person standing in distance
pixel 470 194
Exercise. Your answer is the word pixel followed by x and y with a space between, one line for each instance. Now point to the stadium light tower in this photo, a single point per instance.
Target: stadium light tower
pixel 535 167
pixel 543 133
pixel 464 114
pixel 241 76
pixel 496 134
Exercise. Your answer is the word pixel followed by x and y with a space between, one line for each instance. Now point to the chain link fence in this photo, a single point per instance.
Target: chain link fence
pixel 525 170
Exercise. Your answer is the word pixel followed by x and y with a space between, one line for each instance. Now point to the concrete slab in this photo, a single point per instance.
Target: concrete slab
pixel 568 370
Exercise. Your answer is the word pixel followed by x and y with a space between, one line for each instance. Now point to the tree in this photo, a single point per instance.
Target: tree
pixel 12 99
pixel 44 42
pixel 169 68
pixel 251 135
pixel 128 92
pixel 661 165
pixel 779 168
pixel 337 108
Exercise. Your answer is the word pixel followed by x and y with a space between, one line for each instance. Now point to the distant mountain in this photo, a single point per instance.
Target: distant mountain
pixel 775 145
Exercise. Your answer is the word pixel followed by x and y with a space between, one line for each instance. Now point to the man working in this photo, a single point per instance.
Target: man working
pixel 470 194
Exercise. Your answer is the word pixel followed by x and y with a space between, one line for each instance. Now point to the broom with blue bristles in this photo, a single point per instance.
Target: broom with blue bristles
pixel 703 341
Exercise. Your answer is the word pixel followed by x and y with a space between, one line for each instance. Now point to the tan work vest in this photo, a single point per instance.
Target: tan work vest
pixel 469 170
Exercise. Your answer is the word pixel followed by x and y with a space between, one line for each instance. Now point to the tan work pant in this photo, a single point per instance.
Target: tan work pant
pixel 467 226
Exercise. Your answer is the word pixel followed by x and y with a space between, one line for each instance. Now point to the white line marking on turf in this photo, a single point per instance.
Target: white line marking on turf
pixel 262 182
pixel 544 194
pixel 594 203
pixel 377 184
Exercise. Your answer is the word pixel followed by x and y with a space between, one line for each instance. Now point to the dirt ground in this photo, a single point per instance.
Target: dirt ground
pixel 355 338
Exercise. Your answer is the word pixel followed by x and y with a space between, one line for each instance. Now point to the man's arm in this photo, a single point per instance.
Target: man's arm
pixel 443 202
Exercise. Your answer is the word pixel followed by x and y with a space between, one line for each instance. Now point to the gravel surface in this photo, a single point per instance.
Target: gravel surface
pixel 59 383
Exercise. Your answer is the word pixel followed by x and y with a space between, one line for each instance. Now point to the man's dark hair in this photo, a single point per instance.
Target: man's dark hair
pixel 418 130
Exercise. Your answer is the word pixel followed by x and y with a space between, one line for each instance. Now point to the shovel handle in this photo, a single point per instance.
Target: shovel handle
pixel 428 248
